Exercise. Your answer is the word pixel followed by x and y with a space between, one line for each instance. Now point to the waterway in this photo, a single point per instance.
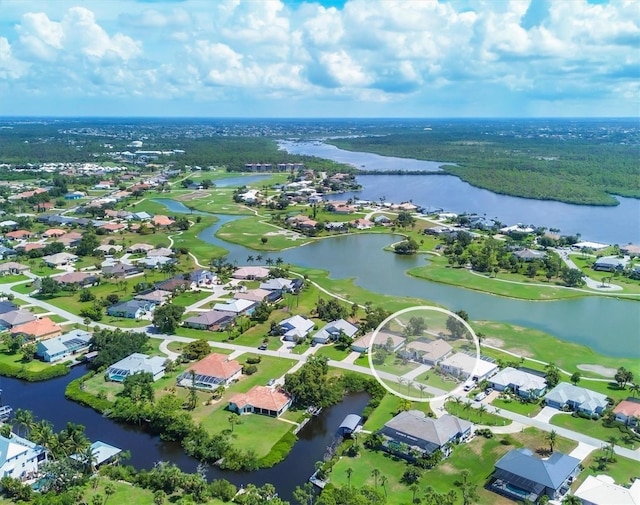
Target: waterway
pixel 610 225
pixel 608 325
pixel 46 400
pixel 239 181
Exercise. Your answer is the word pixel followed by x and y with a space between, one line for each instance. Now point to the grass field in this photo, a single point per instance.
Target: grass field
pixel 388 408
pixel 623 471
pixel 8 279
pixel 594 428
pixel 477 456
pixel 464 410
pixel 249 232
pixel 525 409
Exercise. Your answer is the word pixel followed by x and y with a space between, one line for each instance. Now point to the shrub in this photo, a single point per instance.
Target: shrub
pixel 75 392
pixel 254 360
pixel 249 369
pixel 279 451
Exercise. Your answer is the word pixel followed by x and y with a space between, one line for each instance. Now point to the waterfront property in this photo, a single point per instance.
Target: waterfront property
pixel 251 273
pixel 349 424
pixel 101 453
pixel 524 384
pixel 132 309
pixel 136 363
pixel 212 320
pixel 210 372
pixel 57 348
pixel 236 306
pixel 566 395
pixel 414 430
pixel 602 490
pixel 610 264
pixel 295 328
pixel 38 329
pixel 628 411
pixel 429 353
pixel 520 475
pixel 332 331
pixel 466 366
pixel 20 458
pixel 263 400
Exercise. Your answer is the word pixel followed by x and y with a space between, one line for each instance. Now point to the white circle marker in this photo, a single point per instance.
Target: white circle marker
pixel 380 327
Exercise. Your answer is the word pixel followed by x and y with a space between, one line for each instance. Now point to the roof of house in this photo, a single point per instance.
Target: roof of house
pixel 62 257
pixel 15 446
pixel 140 247
pixel 100 452
pixel 628 408
pixel 7 306
pixel 160 220
pixel 30 246
pixel 12 265
pixel 54 232
pixel 262 397
pixel 523 380
pixel 254 295
pixel 157 295
pixel 210 317
pixel 529 254
pixel 37 328
pixel 216 365
pixel 602 490
pixel 155 261
pixel 275 284
pixel 130 306
pixel 335 327
pixel 235 305
pixel 382 337
pixel 160 251
pixel 585 398
pixel 138 362
pixel 297 325
pixel 432 350
pixel 63 342
pixel 173 283
pixel 611 261
pixel 468 364
pixel 74 277
pixel 550 473
pixel 245 272
pixel 417 425
pixel 17 317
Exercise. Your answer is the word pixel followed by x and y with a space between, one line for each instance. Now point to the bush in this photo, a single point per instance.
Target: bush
pixel 86 296
pixel 506 441
pixel 75 392
pixel 485 432
pixel 249 369
pixel 21 372
pixel 279 451
pixel 254 360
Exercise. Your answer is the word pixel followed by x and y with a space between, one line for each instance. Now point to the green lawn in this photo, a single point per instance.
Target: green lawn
pixel 623 471
pixel 333 352
pixel 8 279
pixel 250 231
pixel 190 297
pixel 525 409
pixel 15 361
pixel 25 289
pixel 465 411
pixel 584 263
pixel 594 428
pixel 388 408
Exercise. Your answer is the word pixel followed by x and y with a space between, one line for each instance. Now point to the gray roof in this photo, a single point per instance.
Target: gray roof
pixel 6 306
pixel 273 284
pixel 17 317
pixel 137 362
pixel 130 306
pixel 63 342
pixel 585 398
pixel 550 473
pixel 351 422
pixel 523 380
pixel 334 328
pixel 211 317
pixel 416 429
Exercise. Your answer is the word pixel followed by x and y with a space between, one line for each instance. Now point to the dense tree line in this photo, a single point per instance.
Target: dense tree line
pixel 114 345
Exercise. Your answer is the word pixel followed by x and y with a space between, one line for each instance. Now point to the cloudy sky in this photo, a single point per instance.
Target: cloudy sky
pixel 327 58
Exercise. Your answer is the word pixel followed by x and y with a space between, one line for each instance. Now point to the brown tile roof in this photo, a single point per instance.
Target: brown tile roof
pixel 32 246
pixel 160 220
pixel 74 277
pixel 262 397
pixel 113 226
pixel 40 328
pixel 54 232
pixel 628 408
pixel 18 234
pixel 216 365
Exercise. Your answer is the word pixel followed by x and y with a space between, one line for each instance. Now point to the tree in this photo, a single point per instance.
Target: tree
pixel 552 375
pixel 48 286
pixel 575 378
pixel 196 349
pixel 572 277
pixel 349 472
pixel 109 490
pixel 28 352
pixel 468 489
pixel 634 389
pixel 456 328
pixel 409 246
pixel 233 420
pixel 159 497
pixel 305 494
pixel 571 499
pixel 375 473
pixel 138 387
pixel 551 437
pixel 23 421
pixel 623 377
pixel 416 326
pixel 167 317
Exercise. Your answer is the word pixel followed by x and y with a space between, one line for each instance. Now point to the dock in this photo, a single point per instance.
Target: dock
pixel 5 413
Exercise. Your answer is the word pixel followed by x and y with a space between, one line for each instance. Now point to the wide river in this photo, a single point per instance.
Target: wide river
pixel 608 325
pixel 610 225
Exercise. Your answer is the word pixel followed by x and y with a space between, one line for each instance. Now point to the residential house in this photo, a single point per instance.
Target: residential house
pixel 156 296
pixel 8 225
pixel 175 284
pixel 251 273
pixel 59 259
pixel 30 246
pixel 212 320
pixel 362 224
pixel 75 195
pixel 628 412
pixel 295 328
pixel 528 255
pixel 70 239
pixel 414 430
pixel 382 220
pixel 20 458
pixel 141 216
pixel 519 382
pixel 261 400
pixel 161 221
pixel 136 363
pixel 113 227
pixel 139 248
pixel 155 262
pixel 466 366
pixel 18 235
pixel 53 233
pixel 389 341
pixel 101 453
pixel 258 295
pixel 38 329
pixel 301 222
pixel 428 352
pixel 210 372
pixel 15 318
pixel 13 268
pixel 57 348
pixel 7 306
pixel 362 344
pixel 120 270
pixel 202 277
pixel 77 279
pixel 333 330
pixel 630 249
pixel 236 306
pixel 610 264
pixel 576 398
pixel 132 309
pixel 602 490
pixel 160 251
pixel 6 252
pixel 521 475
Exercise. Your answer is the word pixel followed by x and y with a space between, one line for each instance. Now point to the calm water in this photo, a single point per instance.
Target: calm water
pixel 47 401
pixel 240 181
pixel 611 225
pixel 608 325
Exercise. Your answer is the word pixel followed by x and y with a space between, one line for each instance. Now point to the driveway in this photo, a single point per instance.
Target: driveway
pixel 546 414
pixel 583 450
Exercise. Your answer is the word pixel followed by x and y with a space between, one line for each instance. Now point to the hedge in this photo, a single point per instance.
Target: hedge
pixel 22 372
pixel 75 392
pixel 279 451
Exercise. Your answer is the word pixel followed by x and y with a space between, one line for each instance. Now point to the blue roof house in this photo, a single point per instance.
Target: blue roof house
pixel 136 363
pixel 576 398
pixel 20 458
pixel 332 331
pixel 520 475
pixel 55 349
pixel 133 309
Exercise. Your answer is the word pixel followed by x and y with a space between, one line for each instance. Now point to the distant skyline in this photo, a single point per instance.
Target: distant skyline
pixel 331 58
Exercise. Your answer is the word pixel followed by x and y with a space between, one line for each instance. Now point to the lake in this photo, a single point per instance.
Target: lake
pixel 605 324
pixel 611 225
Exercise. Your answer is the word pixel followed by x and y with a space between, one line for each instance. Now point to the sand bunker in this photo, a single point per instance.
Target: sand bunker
pixel 599 369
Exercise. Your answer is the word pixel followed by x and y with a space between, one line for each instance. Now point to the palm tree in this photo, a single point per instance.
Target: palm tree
pixel 250 259
pixel 279 261
pixel 23 420
pixel 349 472
pixel 571 500
pixel 109 490
pixel 414 488
pixel 551 437
pixel 269 261
pixel 482 409
pixel 422 388
pixel 233 420
pixel 612 441
pixel 375 473
pixel 383 483
pixel 468 488
pixel 634 389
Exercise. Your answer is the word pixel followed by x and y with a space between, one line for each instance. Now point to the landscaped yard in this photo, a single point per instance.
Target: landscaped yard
pixel 465 410
pixel 594 428
pixel 249 232
pixel 623 471
pixel 388 408
pixel 525 409
pixel 8 279
pixel 333 352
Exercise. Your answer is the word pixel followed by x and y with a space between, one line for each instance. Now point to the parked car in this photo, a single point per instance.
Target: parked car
pixel 271 382
pixel 480 396
pixel 263 347
pixel 469 386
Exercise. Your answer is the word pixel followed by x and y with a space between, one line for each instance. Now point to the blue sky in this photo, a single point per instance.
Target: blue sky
pixel 335 58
